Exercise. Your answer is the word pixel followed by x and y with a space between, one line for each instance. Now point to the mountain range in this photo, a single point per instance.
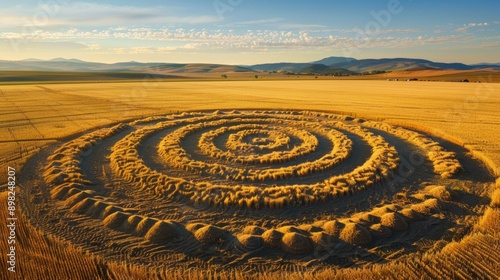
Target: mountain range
pixel 369 65
pixel 330 65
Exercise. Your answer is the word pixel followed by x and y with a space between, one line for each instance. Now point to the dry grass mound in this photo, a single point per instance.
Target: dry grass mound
pixel 63 191
pixel 441 193
pixel 296 243
pixel 495 199
pixel 162 231
pixel 125 160
pixel 289 229
pixel 253 230
pixel 193 227
pixel 394 221
pixel 310 228
pixel 83 206
pixel 248 242
pixel 334 227
pixel 323 241
pixel 355 234
pixel 366 218
pixel 380 231
pixel 144 225
pixel 110 210
pixel 429 206
pixel 210 234
pixel 490 221
pixel 77 197
pixel 116 220
pixel 444 162
pixel 272 238
pixel 132 222
pixel 411 214
pixel 98 209
pixel 380 211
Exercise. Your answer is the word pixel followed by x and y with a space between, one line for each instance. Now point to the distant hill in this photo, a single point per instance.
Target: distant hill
pixel 57 76
pixel 328 70
pixel 282 66
pixel 75 65
pixel 193 68
pixel 308 68
pixel 334 60
pixel 397 64
pixel 369 65
pixel 329 65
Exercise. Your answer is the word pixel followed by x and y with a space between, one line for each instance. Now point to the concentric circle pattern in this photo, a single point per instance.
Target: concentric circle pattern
pixel 293 182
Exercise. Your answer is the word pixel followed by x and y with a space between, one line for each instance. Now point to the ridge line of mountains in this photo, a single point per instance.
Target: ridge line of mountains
pixel 330 65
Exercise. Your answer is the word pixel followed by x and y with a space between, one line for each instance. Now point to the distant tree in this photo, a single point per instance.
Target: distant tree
pixel 256 76
pixel 224 76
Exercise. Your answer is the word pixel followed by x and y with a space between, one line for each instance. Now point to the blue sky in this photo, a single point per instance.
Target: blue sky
pixel 249 32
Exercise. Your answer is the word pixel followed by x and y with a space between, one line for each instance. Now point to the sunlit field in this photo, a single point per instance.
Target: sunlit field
pixel 265 178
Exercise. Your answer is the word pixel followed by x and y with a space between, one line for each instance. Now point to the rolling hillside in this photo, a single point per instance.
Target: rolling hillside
pixel 75 65
pixel 368 65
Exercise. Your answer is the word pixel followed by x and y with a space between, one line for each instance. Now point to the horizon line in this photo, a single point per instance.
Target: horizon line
pixel 270 62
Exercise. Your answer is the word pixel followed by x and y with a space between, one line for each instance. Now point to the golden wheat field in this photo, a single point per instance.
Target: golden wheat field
pixel 315 179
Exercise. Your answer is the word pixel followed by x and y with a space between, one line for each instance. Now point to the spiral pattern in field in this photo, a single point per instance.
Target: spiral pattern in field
pixel 239 165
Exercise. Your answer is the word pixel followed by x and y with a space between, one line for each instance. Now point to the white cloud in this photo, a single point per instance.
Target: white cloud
pixel 165 39
pixel 92 47
pixel 95 14
pixel 255 22
pixel 466 26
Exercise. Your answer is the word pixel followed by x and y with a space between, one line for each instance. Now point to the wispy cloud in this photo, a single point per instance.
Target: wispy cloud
pixel 92 47
pixel 465 27
pixel 302 26
pixel 255 22
pixel 182 39
pixel 96 14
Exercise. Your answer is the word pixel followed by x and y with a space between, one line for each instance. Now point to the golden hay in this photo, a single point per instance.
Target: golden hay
pixel 411 214
pixel 428 265
pixel 60 191
pixel 495 198
pixel 333 227
pixel 253 230
pixel 290 229
pixel 193 227
pixel 74 199
pixel 323 241
pixel 490 221
pixel 366 218
pixel 162 231
pixel 394 221
pixel 355 234
pixel 428 207
pixel 210 234
pixel 310 228
pixel 115 220
pixel 380 211
pixel 272 238
pixel 109 210
pixel 97 210
pixel 144 225
pixel 249 242
pixel 131 225
pixel 83 206
pixel 296 243
pixel 380 231
pixel 441 192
